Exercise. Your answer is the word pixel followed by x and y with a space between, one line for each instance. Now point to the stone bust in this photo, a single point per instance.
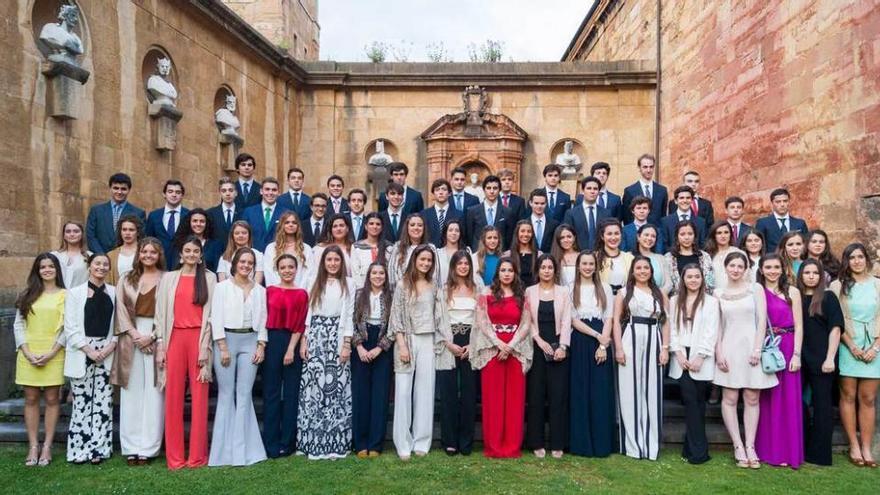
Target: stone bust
pixel 64 44
pixel 380 158
pixel 160 89
pixel 226 120
pixel 474 186
pixel 568 159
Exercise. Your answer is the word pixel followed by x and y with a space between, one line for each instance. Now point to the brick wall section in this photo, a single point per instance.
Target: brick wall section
pixel 629 32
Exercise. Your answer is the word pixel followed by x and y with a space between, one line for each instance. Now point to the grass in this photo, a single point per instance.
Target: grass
pixel 438 474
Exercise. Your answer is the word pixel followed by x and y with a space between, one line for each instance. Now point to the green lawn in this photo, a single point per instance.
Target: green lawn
pixel 438 474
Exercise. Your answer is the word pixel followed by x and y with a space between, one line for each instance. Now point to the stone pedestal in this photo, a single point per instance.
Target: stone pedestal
pixel 377 183
pixel 62 88
pixel 164 126
pixel 228 147
pixel 570 186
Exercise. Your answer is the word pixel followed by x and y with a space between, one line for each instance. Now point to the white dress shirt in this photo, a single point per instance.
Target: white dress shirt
pixel 230 309
pixel 167 214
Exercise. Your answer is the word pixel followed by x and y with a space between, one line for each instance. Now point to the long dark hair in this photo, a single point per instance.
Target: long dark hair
pixel 644 227
pixel 847 277
pixel 453 280
pixel 200 294
pixel 411 275
pixel 601 255
pixel 829 262
pixel 783 278
pixel 450 221
pixel 362 296
pixel 601 300
pixel 317 292
pixel 138 225
pixel 681 304
pixel 711 243
pixel 381 243
pixel 133 277
pixel 541 259
pixel 631 283
pixel 327 234
pixel 185 230
pixel 405 241
pixel 788 261
pixel 818 290
pixel 35 287
pixel 742 246
pixel 556 250
pixel 516 286
pixel 675 249
pixel 514 244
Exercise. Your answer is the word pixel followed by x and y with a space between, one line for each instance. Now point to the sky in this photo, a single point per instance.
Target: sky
pixel 530 30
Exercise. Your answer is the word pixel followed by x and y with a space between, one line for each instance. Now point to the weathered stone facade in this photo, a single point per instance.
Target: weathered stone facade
pixel 290 25
pixel 757 95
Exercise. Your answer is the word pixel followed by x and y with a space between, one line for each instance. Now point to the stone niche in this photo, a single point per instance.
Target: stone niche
pixel 483 143
pixel 229 140
pixel 61 35
pixel 162 94
pixel 378 154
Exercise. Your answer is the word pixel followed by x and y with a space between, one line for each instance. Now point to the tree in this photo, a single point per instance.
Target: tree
pixel 376 51
pixel 437 52
pixel 489 51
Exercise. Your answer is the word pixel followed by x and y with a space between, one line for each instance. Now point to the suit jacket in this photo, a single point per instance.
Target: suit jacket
pixel 387 232
pixel 563 203
pixel 413 202
pixel 550 225
pixel 744 230
pixel 75 333
pixel 659 200
pixel 577 218
pixel 629 240
pixel 253 198
pixel 469 200
pixel 475 221
pixel 343 207
pixel 769 227
pixel 100 231
pixel 612 203
pixel 357 236
pixel 218 222
pixel 156 227
pixel 667 230
pixel 308 227
pixel 303 211
pixel 432 222
pixel 518 207
pixel 262 236
pixel 705 210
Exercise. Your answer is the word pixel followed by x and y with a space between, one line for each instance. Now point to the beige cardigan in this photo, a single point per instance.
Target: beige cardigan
pixel 126 297
pixel 165 294
pixel 561 307
pixel 849 324
pixel 484 342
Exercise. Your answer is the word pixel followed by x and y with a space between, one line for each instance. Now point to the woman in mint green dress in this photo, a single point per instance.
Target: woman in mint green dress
pixel 859 295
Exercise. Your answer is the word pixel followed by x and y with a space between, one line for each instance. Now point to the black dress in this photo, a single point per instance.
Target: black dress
pixel 526 274
pixel 547 381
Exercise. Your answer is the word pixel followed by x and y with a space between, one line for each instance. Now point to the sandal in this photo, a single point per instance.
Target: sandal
pixel 33 456
pixel 556 454
pixel 46 455
pixel 754 462
pixel 741 461
pixel 856 461
pixel 131 460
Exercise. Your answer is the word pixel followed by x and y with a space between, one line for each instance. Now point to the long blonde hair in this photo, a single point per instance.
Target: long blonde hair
pixel 482 250
pixel 82 242
pixel 281 241
pixel 230 242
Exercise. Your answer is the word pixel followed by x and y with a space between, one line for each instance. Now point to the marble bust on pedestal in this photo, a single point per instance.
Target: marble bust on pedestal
pixel 568 159
pixel 474 187
pixel 380 158
pixel 161 90
pixel 64 44
pixel 227 122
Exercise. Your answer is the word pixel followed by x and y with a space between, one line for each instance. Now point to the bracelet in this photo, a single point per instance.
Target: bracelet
pixel 603 347
pixel 796 354
pixel 665 347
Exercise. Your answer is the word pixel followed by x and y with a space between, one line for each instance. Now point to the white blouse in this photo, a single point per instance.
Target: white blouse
pixel 461 310
pixel 124 263
pixel 225 267
pixel 361 259
pixel 567 275
pixel 74 270
pixel 317 253
pixel 375 317
pixel 270 275
pixel 617 274
pixel 333 303
pixel 230 309
pixel 589 306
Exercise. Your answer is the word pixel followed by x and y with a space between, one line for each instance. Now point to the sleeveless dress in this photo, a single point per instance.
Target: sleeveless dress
pixel 738 329
pixel 42 327
pixel 862 303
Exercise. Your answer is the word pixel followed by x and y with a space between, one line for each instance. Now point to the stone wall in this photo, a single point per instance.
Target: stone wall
pixel 757 95
pixel 289 24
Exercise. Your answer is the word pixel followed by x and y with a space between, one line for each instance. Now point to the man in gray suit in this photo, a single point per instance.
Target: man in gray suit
pixel 104 217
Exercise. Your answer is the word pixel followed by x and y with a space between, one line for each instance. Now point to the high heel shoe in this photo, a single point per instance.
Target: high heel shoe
pixel 754 462
pixel 741 460
pixel 46 455
pixel 33 456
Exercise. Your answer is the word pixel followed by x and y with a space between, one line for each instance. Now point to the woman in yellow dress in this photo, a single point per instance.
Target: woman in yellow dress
pixel 40 364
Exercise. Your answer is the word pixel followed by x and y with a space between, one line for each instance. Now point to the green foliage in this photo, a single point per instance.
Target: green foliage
pixel 488 51
pixel 376 51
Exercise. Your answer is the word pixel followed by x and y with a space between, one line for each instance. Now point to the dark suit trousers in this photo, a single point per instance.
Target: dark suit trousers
pixel 818 419
pixel 693 395
pixel 280 395
pixel 547 384
pixel 458 402
pixel 370 388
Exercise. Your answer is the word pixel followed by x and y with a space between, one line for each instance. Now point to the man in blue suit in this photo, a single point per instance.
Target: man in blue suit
pixel 224 214
pixel 437 215
pixel 543 226
pixel 558 201
pixel 684 198
pixel 779 222
pixel 317 221
pixel 516 204
pixel 412 199
pixel 357 200
pixel 701 207
pixel 295 199
pixel 163 222
pixel 585 217
pixel 460 199
pixel 104 217
pixel 246 187
pixel 647 187
pixel 629 242
pixel 490 212
pixel 263 217
pixel 734 206
pixel 606 199
pixel 336 203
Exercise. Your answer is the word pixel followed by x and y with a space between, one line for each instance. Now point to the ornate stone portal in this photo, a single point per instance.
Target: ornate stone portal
pixel 481 142
pixel 62 70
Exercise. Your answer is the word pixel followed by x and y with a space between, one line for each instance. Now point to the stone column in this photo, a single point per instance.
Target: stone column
pixel 62 88
pixel 228 147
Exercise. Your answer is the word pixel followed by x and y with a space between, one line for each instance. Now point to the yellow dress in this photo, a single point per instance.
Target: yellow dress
pixel 41 331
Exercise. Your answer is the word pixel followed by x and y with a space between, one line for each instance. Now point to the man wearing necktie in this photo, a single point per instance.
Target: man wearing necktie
pixel 558 201
pixel 394 216
pixel 263 217
pixel 684 197
pixel 315 223
pixel 247 187
pixel 335 187
pixel 104 217
pixel 490 213
pixel 646 186
pixel 460 199
pixel 162 223
pixel 700 206
pixel 295 199
pixel 224 214
pixel 586 216
pixel 436 216
pixel 357 200
pixel 780 221
pixel 510 200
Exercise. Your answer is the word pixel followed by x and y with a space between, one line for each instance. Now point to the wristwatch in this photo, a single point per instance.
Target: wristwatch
pixel 563 347
pixel 603 347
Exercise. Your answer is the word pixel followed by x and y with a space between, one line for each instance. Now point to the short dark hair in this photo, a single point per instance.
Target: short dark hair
pixel 319 195
pixel 439 183
pixel 551 168
pixel 397 167
pixel 600 166
pixel 335 177
pixel 733 199
pixel 270 180
pixel 295 169
pixel 586 180
pixel 644 156
pixel 490 179
pixel 224 180
pixel 357 191
pixel 458 170
pixel 682 189
pixel 173 182
pixel 393 187
pixel 537 192
pixel 119 178
pixel 243 157
pixel 639 200
pixel 779 191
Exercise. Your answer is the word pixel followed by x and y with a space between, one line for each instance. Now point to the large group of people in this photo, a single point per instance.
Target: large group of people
pixel 560 317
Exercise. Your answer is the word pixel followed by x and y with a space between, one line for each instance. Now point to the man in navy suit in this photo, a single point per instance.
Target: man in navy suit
pixel 412 199
pixel 585 217
pixel 104 217
pixel 460 199
pixel 357 200
pixel 684 197
pixel 336 203
pixel 543 226
pixel 437 215
pixel 295 199
pixel 640 210
pixel 163 222
pixel 647 187
pixel 246 187
pixel 701 207
pixel 606 199
pixel 263 217
pixel 224 214
pixel 315 224
pixel 393 217
pixel 514 203
pixel 734 206
pixel 490 212
pixel 558 201
pixel 779 222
